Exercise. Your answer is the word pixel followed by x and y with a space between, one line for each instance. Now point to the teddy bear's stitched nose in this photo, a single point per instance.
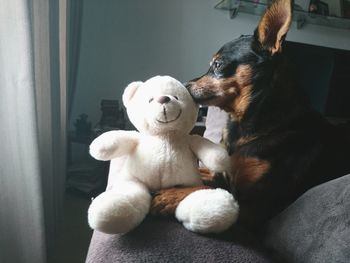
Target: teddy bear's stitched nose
pixel 163 99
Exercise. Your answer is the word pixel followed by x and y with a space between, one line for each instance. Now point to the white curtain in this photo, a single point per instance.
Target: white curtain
pixel 32 127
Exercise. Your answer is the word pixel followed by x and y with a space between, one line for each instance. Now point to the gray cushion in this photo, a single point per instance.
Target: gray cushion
pixel 316 227
pixel 165 240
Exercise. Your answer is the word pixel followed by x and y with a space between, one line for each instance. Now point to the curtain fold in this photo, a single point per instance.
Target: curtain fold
pixel 32 128
pixel 75 13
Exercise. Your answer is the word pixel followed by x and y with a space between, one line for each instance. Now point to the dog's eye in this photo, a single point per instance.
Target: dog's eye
pixel 217 64
pixel 176 97
pixel 217 68
pixel 150 100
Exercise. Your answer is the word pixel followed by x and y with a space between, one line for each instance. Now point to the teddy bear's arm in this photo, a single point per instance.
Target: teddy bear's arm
pixel 112 144
pixel 212 155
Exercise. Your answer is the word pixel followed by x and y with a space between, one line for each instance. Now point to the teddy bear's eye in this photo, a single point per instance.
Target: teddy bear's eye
pixel 150 100
pixel 176 97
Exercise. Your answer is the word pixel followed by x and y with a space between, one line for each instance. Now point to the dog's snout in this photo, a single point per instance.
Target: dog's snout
pixel 189 84
pixel 163 99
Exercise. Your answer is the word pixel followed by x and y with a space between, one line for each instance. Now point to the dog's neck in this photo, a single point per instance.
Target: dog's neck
pixel 276 94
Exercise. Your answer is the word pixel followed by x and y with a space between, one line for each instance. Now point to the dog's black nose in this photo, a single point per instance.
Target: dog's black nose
pixel 163 99
pixel 189 84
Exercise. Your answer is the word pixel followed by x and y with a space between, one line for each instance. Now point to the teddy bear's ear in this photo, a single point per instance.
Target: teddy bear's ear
pixel 130 91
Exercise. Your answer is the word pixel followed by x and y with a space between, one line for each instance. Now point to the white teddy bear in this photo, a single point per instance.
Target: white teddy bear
pixel 162 154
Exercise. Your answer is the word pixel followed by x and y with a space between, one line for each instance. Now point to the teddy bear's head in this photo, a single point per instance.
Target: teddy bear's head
pixel 160 105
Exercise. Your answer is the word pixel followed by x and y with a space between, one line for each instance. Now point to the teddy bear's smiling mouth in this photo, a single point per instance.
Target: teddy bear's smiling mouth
pixel 166 117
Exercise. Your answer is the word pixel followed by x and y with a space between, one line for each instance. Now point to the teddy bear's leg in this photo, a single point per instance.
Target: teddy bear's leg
pixel 121 209
pixel 208 211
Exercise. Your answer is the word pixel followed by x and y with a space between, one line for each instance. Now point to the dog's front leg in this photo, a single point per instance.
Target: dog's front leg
pixel 165 202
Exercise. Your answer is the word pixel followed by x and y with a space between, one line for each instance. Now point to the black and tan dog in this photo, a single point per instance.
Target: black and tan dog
pixel 280 146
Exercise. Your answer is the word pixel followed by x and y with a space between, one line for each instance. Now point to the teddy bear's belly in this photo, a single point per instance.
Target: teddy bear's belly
pixel 161 167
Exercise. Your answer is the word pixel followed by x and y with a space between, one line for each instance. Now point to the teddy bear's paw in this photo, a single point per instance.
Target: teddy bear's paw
pixel 103 147
pixel 219 161
pixel 208 211
pixel 112 212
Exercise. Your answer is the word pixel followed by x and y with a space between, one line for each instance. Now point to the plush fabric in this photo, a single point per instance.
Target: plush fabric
pixel 163 240
pixel 316 227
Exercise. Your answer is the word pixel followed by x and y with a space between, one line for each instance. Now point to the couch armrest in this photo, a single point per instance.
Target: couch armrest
pixel 316 227
pixel 165 240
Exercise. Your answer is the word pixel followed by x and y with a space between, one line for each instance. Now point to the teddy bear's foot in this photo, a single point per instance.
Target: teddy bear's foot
pixel 120 210
pixel 208 211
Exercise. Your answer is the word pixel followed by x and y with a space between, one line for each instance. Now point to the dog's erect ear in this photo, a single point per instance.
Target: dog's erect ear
pixel 274 25
pixel 130 91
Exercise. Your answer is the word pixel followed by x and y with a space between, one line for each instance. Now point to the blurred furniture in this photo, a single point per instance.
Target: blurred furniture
pixel 199 128
pixel 86 175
